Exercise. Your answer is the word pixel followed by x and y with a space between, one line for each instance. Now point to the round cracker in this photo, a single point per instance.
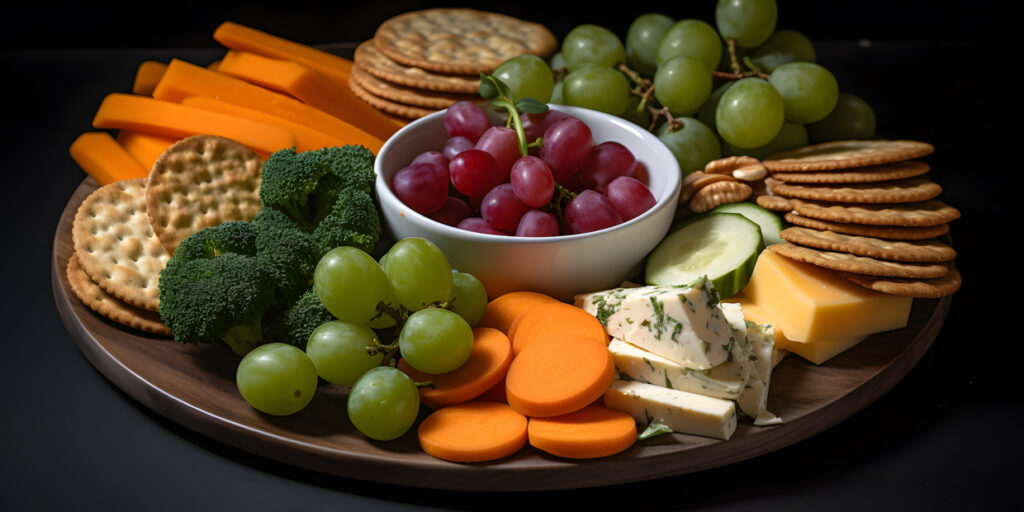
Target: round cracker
pixel 846 154
pixel 899 191
pixel 390 107
pixel 407 95
pixel 887 232
pixel 917 288
pixel 201 181
pixel 923 251
pixel 116 246
pixel 460 41
pixel 774 203
pixel 845 262
pixel 925 213
pixel 867 174
pixel 369 59
pixel 108 306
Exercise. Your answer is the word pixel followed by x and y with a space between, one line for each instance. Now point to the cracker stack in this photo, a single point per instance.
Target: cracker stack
pixel 423 61
pixel 868 210
pixel 125 232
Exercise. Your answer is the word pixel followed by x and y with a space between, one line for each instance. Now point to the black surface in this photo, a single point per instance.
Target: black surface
pixel 945 438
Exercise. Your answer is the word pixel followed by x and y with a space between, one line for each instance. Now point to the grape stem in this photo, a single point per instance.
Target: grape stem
pixel 737 68
pixel 656 113
pixel 556 206
pixel 643 87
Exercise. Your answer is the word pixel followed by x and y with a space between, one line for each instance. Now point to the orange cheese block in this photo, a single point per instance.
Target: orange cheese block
pixel 144 147
pixel 808 302
pixel 183 79
pixel 306 138
pixel 140 113
pixel 816 351
pixel 147 76
pixel 101 157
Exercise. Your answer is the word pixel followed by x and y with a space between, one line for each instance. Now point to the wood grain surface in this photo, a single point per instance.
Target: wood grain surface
pixel 193 385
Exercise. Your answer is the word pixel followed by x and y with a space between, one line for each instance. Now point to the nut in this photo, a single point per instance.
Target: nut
pixel 719 193
pixel 742 167
pixel 698 180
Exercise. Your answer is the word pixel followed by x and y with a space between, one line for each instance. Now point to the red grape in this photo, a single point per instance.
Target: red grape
pixel 590 211
pixel 466 119
pixel 567 144
pixel 537 223
pixel 532 181
pixel 607 161
pixel 433 157
pixel 478 225
pixel 534 125
pixel 629 196
pixel 452 211
pixel 456 145
pixel 474 172
pixel 502 209
pixel 502 144
pixel 423 187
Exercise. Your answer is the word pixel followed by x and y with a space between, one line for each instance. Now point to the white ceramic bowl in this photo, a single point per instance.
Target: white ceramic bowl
pixel 560 266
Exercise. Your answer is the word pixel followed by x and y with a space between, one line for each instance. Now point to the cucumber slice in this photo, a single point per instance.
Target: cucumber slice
pixel 771 224
pixel 722 246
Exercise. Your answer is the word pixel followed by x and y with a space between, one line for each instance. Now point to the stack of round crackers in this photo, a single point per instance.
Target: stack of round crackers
pixel 124 233
pixel 423 61
pixel 867 209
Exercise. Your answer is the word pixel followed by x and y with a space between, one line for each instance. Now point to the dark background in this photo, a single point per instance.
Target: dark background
pixel 945 438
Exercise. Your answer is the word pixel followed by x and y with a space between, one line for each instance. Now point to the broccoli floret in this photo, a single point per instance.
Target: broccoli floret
pixel 306 185
pixel 235 236
pixel 353 221
pixel 295 324
pixel 220 298
pixel 290 254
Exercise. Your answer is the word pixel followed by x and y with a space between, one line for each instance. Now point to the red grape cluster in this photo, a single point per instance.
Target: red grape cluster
pixel 480 181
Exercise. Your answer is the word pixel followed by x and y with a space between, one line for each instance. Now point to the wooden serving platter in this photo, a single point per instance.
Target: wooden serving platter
pixel 194 386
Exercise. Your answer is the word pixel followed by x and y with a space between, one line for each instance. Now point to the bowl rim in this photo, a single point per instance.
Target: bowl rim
pixel 669 198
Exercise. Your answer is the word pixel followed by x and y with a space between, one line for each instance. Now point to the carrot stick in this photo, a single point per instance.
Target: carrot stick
pixel 503 310
pixel 183 79
pixel 144 114
pixel 594 431
pixel 144 147
pixel 306 138
pixel 559 376
pixel 555 320
pixel 473 432
pixel 147 76
pixel 487 364
pixel 101 157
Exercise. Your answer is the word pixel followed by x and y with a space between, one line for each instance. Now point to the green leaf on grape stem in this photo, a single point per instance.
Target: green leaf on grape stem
pixel 530 106
pixel 488 90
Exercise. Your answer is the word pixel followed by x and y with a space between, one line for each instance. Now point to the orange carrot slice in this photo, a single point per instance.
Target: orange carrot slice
pixel 147 76
pixel 486 366
pixel 496 393
pixel 503 310
pixel 306 138
pixel 144 114
pixel 144 147
pixel 183 79
pixel 101 157
pixel 594 431
pixel 559 376
pixel 555 320
pixel 473 432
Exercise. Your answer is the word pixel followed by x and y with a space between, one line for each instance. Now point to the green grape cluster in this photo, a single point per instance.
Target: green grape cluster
pixel 732 85
pixel 411 304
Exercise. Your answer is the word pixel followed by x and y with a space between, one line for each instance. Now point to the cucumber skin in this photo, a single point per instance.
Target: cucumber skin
pixel 774 237
pixel 728 284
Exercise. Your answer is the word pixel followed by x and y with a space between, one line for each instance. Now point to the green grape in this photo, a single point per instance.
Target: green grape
pixel 791 136
pixel 852 119
pixel 435 340
pixel 707 111
pixel 276 378
pixel 557 62
pixel 683 84
pixel 419 272
pixel 556 93
pixel 693 144
pixel 469 297
pixel 693 38
pixel 528 76
pixel 642 41
pixel 750 113
pixel 597 88
pixel 640 116
pixel 350 284
pixel 783 47
pixel 383 403
pixel 592 44
pixel 749 22
pixel 809 91
pixel 338 350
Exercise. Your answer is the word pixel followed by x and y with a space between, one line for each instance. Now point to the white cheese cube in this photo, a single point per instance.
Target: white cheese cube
pixel 726 380
pixel 681 411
